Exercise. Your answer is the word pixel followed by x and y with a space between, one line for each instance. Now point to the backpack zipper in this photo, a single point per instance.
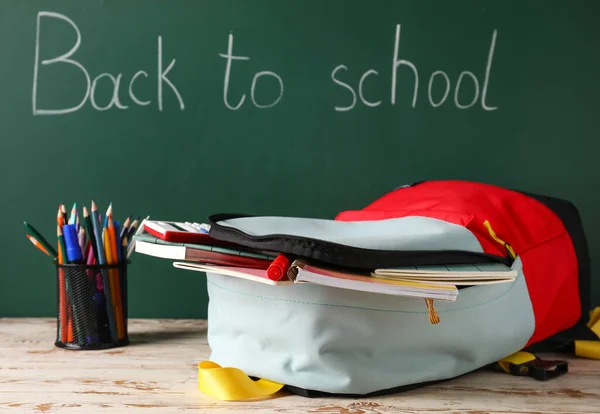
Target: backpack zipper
pixel 325 248
pixel 507 247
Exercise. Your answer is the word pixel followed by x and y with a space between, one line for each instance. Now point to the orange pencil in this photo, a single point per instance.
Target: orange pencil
pixel 113 240
pixel 37 244
pixel 60 220
pixel 115 282
pixel 62 299
pixel 70 329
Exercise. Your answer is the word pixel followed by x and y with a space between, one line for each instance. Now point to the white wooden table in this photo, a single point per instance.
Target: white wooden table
pixel 157 373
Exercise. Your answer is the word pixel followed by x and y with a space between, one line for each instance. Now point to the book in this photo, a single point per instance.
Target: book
pixel 464 274
pixel 301 272
pixel 153 246
pixel 255 275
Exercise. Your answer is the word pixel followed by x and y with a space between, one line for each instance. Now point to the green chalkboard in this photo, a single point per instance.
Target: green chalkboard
pixel 181 109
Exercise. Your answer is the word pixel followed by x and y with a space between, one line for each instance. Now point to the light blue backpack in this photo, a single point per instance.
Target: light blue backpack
pixel 317 340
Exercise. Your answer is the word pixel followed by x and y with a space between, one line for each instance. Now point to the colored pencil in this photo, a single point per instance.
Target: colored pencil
pixel 113 240
pixel 105 276
pixel 112 282
pixel 37 244
pixel 112 258
pixel 108 213
pixel 98 234
pixel 124 242
pixel 133 228
pixel 62 299
pixel 63 211
pixel 64 285
pixel 125 228
pixel 41 239
pixel 81 240
pixel 87 221
pixel 60 220
pixel 130 238
pixel 73 214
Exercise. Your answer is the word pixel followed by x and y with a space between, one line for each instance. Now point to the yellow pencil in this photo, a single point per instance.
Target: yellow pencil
pixel 107 246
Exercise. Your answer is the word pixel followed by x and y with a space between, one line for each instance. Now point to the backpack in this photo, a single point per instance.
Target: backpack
pixel 315 340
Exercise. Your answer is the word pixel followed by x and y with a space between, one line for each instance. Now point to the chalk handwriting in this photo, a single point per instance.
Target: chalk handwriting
pixel 62 58
pixel 144 88
pixel 91 86
pixel 406 71
pixel 345 85
pixel 162 77
pixel 230 57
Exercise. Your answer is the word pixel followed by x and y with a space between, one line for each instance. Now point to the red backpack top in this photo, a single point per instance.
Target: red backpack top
pixel 545 232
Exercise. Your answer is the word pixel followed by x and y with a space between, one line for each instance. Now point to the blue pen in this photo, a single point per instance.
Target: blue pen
pixel 82 301
pixel 74 254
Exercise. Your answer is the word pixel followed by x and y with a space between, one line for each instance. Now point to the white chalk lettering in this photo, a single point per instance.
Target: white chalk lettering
pixel 131 94
pixel 456 91
pixel 397 63
pixel 446 92
pixel 63 58
pixel 162 77
pixel 360 88
pixel 486 81
pixel 345 85
pixel 104 90
pixel 229 56
pixel 115 97
pixel 253 87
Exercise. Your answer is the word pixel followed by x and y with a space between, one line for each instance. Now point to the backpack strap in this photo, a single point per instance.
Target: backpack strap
pixel 230 384
pixel 590 349
pixel 525 363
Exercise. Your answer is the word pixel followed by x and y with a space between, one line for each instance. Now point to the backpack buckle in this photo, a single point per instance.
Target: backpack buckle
pixel 539 369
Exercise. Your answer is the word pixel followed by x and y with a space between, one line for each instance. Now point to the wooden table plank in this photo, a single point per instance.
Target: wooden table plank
pixel 158 373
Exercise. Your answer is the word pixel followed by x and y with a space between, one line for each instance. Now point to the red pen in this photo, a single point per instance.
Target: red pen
pixel 278 268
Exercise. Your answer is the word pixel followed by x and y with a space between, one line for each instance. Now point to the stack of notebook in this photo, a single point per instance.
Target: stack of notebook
pixel 429 282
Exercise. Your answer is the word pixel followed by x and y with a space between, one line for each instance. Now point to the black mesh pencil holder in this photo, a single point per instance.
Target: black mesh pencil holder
pixel 92 306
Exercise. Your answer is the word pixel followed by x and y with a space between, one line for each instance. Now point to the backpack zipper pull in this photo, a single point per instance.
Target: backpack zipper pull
pixel 433 315
pixel 507 246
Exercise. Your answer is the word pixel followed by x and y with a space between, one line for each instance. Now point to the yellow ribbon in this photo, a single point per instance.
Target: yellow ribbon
pixel 230 384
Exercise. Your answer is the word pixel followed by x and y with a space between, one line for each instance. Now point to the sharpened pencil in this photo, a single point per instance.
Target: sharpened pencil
pixel 87 221
pixel 63 211
pixel 73 214
pixel 37 244
pixel 40 239
pixel 60 220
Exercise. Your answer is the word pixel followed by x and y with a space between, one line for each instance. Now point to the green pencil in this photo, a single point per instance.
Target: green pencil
pixel 41 239
pixel 89 228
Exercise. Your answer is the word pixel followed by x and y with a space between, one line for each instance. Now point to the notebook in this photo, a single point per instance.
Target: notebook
pixel 153 246
pixel 301 272
pixel 465 274
pixel 255 275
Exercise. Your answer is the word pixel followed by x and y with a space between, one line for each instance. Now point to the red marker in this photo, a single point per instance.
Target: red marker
pixel 278 268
